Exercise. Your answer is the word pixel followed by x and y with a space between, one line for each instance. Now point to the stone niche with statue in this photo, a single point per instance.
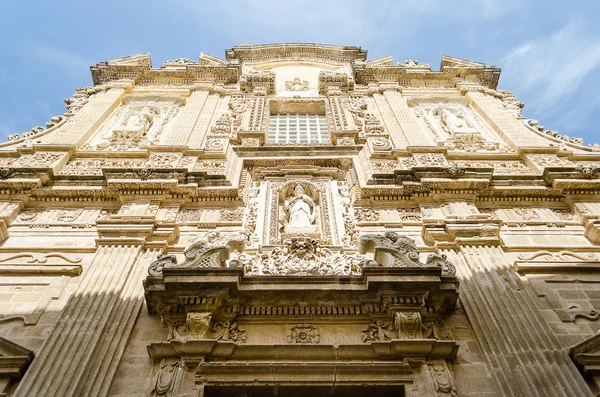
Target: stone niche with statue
pixel 300 210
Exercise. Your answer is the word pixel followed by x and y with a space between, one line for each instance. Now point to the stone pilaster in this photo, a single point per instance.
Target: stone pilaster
pixel 507 125
pixel 202 125
pixel 414 134
pixel 81 355
pixel 523 356
pixel 88 119
pixel 179 130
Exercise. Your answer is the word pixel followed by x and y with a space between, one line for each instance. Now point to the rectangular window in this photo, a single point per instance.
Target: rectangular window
pixel 298 128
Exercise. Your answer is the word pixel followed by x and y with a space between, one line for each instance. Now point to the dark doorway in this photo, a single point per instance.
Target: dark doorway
pixel 303 391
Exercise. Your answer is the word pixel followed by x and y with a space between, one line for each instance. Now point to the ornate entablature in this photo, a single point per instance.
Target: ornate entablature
pixel 212 306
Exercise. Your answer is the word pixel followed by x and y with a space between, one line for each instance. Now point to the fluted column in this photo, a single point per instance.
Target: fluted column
pixel 522 354
pixel 81 355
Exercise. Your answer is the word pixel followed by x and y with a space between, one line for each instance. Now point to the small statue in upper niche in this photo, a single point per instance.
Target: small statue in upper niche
pixel 296 85
pixel 300 209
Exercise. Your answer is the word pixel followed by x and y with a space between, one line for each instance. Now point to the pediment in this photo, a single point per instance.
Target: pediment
pixel 14 359
pixel 586 356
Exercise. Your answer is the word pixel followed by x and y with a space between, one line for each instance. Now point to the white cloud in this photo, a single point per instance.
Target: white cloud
pixel 553 66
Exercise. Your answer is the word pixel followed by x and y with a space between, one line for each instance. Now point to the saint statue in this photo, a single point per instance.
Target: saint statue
pixel 452 121
pixel 300 209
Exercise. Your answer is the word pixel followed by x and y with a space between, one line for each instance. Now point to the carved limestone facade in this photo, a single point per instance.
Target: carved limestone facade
pixel 296 219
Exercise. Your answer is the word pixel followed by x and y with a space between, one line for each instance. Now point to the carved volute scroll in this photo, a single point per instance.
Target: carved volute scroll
pixel 208 251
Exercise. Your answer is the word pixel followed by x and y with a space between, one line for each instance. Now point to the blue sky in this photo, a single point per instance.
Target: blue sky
pixel 549 51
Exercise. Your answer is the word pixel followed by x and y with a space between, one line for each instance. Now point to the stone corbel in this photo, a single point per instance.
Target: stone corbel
pixel 592 230
pixel 590 218
pixel 441 377
pixel 409 325
pixel 8 213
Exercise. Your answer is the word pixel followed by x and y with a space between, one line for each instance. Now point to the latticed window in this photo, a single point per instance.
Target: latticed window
pixel 298 128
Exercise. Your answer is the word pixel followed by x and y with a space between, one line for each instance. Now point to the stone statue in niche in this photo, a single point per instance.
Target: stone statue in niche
pixel 300 209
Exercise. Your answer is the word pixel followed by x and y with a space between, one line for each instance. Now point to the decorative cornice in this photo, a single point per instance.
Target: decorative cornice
pixel 295 51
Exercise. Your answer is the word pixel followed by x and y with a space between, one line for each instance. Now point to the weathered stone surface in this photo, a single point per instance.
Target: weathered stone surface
pixel 429 241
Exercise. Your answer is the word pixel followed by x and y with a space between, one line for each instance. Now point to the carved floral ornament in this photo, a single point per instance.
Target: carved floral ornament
pixel 302 257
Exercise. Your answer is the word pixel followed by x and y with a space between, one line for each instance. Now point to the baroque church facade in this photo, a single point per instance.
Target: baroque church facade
pixel 295 219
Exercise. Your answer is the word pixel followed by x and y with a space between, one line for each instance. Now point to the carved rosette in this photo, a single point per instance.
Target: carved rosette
pixel 304 334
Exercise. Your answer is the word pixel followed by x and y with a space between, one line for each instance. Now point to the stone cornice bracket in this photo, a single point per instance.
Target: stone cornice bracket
pixel 211 251
pixel 124 68
pixel 335 83
pixel 144 232
pixel 452 233
pixel 258 82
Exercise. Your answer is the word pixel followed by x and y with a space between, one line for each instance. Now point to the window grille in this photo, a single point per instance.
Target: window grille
pixel 298 128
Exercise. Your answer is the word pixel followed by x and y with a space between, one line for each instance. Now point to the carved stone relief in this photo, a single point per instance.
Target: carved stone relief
pixel 367 122
pixel 45 218
pixel 378 331
pixel 251 216
pixel 137 124
pixel 442 377
pixel 39 160
pixel 301 257
pixel 166 378
pixel 296 85
pixel 455 126
pixel 304 334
